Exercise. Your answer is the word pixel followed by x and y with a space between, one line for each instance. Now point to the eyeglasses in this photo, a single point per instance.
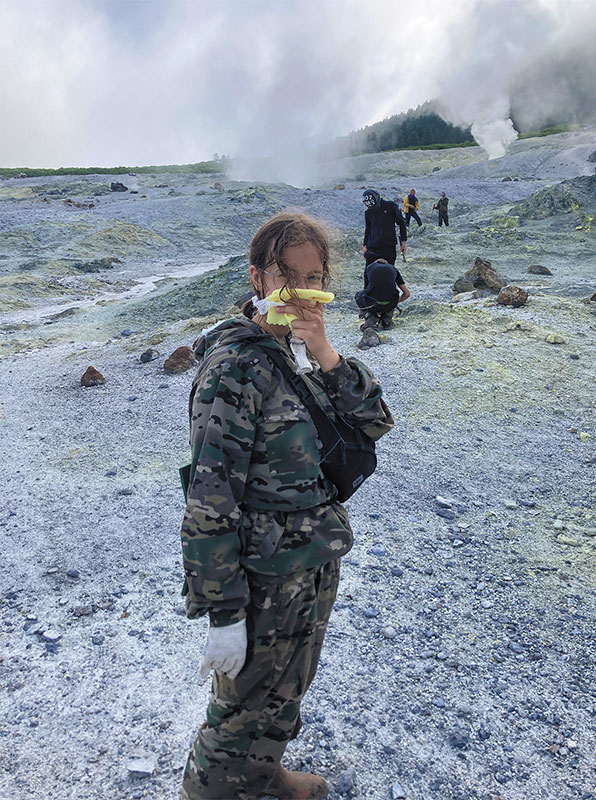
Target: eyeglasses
pixel 313 280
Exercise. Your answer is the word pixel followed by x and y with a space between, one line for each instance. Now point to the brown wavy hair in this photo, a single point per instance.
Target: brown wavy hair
pixel 284 230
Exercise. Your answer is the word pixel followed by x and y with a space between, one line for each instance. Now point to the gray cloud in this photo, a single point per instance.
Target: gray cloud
pixel 105 82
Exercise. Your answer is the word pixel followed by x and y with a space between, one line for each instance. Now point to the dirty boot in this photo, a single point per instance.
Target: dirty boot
pixel 297 786
pixel 370 321
pixel 387 320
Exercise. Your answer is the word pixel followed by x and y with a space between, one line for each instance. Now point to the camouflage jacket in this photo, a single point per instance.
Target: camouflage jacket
pixel 258 500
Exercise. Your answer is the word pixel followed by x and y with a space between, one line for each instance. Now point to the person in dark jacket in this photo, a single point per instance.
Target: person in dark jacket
pixel 442 207
pixel 381 217
pixel 384 288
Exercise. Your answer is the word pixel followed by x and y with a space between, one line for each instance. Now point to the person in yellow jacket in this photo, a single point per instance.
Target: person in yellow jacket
pixel 411 206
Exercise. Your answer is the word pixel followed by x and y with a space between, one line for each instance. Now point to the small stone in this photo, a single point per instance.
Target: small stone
pixel 538 269
pixel 92 377
pixel 339 186
pixel 569 541
pixel 397 572
pixel 149 355
pixel 574 357
pixel 131 398
pixel 584 437
pixel 370 338
pixel 445 513
pixel 558 525
pixel 377 550
pixel 459 739
pixel 52 570
pixel 126 332
pixel 346 780
pixel 397 793
pixel 389 632
pixel 125 492
pixel 142 767
pixel 371 612
pixel 513 296
pixel 443 502
pixel 117 186
pixel 51 636
pixel 510 504
pixel 163 386
pixel 98 638
pixel 72 573
pixel 555 338
pixel 181 360
pixel 110 473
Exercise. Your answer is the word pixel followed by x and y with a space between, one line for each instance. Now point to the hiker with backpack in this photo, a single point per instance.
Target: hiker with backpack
pixel 263 529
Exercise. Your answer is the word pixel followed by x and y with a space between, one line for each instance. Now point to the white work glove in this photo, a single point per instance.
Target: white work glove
pixel 225 651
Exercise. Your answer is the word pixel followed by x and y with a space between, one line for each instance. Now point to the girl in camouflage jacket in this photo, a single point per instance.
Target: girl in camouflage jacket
pixel 263 531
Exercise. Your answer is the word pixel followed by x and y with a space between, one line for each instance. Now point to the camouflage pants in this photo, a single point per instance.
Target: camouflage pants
pixel 251 719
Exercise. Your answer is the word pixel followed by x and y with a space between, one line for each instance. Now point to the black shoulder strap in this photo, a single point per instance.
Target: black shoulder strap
pixel 328 432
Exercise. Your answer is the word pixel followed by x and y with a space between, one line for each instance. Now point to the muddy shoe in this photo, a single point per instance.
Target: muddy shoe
pixel 297 786
pixel 372 321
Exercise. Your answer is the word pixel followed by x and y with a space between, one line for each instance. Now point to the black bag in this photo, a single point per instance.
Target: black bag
pixel 348 457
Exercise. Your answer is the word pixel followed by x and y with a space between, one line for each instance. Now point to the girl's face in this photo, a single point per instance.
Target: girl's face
pixel 303 270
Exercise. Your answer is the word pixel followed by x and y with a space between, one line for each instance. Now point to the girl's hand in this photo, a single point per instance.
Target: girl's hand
pixel 311 329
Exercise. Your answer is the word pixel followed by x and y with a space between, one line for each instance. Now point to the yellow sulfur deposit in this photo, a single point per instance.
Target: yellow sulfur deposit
pixel 286 295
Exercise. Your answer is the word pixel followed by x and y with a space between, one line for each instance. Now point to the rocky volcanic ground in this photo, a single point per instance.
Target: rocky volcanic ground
pixel 461 655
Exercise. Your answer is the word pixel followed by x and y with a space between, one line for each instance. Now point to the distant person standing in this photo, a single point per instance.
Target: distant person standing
pixel 384 288
pixel 411 206
pixel 442 207
pixel 381 217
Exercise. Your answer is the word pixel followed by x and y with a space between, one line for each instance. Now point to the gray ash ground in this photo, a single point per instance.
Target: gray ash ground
pixel 460 657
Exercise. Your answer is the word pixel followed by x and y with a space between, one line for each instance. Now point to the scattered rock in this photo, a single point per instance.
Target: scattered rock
pixel 51 636
pixel 97 265
pixel 340 186
pixel 397 793
pixel 510 504
pixel 593 298
pixel 555 338
pixel 126 332
pixel 592 157
pixel 471 295
pixel 389 632
pixel 149 355
pixel 436 169
pixel 538 269
pixel 506 178
pixel 98 639
pixel 481 275
pixel 512 296
pixel 370 338
pixel 92 377
pixel 218 187
pixel 142 767
pixel 584 437
pixel 181 360
pixel 346 781
pixel 116 186
pixel 569 541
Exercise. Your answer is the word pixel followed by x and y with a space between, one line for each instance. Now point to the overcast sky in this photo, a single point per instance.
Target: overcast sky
pixel 131 82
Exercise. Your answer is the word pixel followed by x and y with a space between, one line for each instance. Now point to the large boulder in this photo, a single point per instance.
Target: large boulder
pixel 181 360
pixel 512 296
pixel 481 275
pixel 116 186
pixel 92 377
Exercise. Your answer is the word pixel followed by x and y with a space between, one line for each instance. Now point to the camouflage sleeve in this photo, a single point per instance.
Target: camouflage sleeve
pixel 356 393
pixel 223 421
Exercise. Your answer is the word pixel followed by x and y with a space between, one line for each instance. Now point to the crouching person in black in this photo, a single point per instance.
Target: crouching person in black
pixel 384 288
